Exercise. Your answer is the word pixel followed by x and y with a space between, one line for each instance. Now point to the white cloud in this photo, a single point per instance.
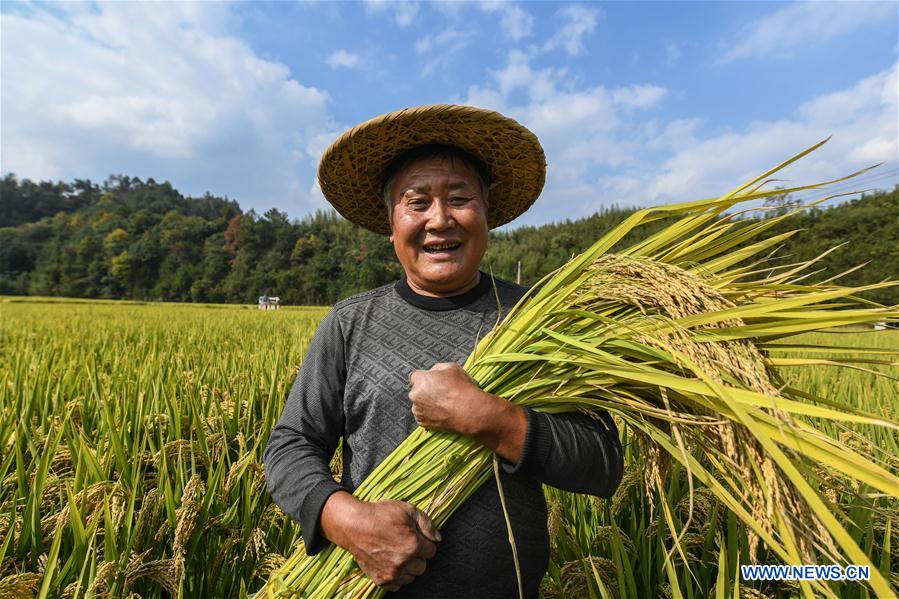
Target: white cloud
pixel 442 47
pixel 343 59
pixel 803 24
pixel 404 11
pixel 448 39
pixel 668 135
pixel 376 7
pixel 555 108
pixel 87 94
pixel 863 121
pixel 578 22
pixel 638 96
pixel 605 146
pixel 518 73
pixel 581 130
pixel 619 186
pixel 515 22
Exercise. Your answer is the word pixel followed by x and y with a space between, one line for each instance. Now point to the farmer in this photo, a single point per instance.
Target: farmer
pixel 435 179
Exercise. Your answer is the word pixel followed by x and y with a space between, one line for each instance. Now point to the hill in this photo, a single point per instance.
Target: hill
pixel 133 239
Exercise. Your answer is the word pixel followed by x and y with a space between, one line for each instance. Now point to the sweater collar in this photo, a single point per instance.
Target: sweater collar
pixel 439 304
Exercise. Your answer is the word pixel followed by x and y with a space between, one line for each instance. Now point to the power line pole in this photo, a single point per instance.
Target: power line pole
pixel 518 278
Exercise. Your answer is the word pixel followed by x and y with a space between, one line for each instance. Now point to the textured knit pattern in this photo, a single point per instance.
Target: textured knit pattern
pixel 353 383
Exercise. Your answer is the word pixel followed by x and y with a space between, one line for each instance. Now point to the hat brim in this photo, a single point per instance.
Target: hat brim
pixel 351 168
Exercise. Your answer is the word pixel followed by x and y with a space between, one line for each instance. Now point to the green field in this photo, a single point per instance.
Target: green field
pixel 132 439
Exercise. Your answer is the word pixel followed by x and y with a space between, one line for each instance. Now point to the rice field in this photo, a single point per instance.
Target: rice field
pixel 132 441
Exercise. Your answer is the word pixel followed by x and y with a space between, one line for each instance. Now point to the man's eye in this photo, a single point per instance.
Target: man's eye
pixel 459 200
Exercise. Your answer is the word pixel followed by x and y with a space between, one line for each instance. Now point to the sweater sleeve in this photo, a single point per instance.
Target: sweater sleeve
pixel 305 438
pixel 572 451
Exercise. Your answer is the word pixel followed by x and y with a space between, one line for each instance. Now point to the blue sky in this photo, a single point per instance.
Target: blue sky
pixel 635 102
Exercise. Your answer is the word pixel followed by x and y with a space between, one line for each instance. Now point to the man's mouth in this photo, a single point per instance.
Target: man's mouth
pixel 434 248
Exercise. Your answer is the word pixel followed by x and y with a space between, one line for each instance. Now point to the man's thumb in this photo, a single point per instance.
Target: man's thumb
pixel 426 526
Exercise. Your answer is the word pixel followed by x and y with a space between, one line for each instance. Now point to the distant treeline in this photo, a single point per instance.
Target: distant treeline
pixel 134 239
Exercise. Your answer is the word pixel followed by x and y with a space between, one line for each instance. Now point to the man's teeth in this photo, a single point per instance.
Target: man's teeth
pixel 441 246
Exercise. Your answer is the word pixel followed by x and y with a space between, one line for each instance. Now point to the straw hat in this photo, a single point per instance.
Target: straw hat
pixel 352 167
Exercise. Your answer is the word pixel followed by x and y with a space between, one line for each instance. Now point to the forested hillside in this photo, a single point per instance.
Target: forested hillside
pixel 134 239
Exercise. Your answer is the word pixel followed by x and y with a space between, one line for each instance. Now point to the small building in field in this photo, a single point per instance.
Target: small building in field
pixel 269 302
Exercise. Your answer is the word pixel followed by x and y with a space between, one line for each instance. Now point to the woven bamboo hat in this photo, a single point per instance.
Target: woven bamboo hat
pixel 351 169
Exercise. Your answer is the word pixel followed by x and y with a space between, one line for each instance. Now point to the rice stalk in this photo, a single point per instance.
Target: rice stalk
pixel 670 335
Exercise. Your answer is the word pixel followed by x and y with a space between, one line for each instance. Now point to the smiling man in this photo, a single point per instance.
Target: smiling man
pixel 438 218
pixel 435 179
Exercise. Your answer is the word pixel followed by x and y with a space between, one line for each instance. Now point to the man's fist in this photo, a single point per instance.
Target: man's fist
pixel 390 540
pixel 445 398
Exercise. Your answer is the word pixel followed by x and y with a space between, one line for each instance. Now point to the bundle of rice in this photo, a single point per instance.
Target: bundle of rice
pixel 671 336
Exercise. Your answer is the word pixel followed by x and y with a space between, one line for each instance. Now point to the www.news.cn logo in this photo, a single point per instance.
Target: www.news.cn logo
pixel 805 572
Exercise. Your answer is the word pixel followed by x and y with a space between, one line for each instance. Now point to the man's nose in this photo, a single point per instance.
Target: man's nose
pixel 439 216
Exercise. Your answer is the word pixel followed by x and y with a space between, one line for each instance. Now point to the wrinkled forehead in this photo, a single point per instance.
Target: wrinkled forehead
pixel 423 173
pixel 437 158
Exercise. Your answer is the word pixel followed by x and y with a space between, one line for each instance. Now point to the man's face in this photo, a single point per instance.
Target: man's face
pixel 439 229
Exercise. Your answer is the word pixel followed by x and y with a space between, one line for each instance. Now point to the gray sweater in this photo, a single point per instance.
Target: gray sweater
pixel 353 384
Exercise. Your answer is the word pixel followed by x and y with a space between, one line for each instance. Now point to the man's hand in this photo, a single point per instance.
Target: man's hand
pixel 390 540
pixel 446 398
